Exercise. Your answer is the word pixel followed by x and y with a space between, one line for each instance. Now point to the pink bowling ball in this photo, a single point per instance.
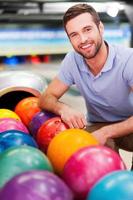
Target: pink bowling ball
pixel 88 165
pixel 12 124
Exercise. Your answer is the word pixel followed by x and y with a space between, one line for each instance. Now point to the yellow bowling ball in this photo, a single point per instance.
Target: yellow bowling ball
pixel 6 113
pixel 67 142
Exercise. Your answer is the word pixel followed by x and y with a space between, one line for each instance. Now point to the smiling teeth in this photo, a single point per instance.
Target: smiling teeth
pixel 86 46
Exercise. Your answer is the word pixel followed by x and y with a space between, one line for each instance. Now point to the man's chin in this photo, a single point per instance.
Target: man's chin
pixel 88 56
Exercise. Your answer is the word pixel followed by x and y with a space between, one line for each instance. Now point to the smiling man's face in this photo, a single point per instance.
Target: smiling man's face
pixel 85 36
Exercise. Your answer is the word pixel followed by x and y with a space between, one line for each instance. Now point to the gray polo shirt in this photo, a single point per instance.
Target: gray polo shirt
pixel 107 94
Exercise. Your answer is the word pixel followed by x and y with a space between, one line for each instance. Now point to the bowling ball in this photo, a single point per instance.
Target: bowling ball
pixel 63 145
pixel 12 124
pixel 48 130
pixel 88 165
pixel 37 185
pixel 27 108
pixel 37 120
pixel 16 160
pixel 117 185
pixel 15 138
pixel 6 113
pixel 11 61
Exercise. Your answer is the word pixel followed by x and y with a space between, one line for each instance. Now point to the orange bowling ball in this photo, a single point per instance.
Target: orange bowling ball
pixel 27 108
pixel 67 142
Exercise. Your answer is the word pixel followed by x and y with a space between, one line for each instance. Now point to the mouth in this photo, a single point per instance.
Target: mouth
pixel 86 47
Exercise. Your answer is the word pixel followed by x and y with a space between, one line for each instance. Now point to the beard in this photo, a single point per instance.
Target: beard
pixel 93 52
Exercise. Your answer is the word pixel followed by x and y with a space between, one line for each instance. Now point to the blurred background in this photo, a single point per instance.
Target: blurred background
pixel 31 31
pixel 32 36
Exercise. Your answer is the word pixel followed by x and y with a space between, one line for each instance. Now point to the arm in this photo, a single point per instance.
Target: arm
pixel 49 100
pixel 114 130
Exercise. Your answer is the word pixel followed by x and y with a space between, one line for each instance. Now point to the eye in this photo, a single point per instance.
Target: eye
pixel 73 35
pixel 88 29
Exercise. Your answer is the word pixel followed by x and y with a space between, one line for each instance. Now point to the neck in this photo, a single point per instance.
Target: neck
pixel 96 64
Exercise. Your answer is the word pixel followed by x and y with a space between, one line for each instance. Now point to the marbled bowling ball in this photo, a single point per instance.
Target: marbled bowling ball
pixel 38 119
pixel 14 138
pixel 37 185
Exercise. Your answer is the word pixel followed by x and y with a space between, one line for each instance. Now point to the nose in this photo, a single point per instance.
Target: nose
pixel 83 38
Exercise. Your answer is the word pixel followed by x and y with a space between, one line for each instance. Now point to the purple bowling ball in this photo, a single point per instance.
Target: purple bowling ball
pixel 38 119
pixel 37 185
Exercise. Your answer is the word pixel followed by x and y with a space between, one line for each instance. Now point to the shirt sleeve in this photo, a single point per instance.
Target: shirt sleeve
pixel 66 70
pixel 128 71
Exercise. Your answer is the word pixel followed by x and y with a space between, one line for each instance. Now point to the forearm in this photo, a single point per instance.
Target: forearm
pixel 70 116
pixel 114 130
pixel 120 129
pixel 51 103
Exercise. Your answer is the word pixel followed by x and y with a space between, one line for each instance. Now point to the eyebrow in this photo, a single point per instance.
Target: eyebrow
pixel 89 26
pixel 71 34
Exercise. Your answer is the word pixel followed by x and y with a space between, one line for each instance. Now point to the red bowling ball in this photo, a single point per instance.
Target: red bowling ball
pixel 88 165
pixel 38 119
pixel 48 130
pixel 12 124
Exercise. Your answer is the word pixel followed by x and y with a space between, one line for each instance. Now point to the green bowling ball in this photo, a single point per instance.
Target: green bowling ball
pixel 16 160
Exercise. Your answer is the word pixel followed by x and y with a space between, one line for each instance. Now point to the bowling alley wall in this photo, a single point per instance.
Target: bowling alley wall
pixel 22 40
pixel 32 33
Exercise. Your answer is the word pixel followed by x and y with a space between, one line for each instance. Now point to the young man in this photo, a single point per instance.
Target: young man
pixel 103 73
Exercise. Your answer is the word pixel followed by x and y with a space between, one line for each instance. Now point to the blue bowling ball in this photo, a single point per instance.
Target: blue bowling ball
pixel 12 138
pixel 11 61
pixel 116 185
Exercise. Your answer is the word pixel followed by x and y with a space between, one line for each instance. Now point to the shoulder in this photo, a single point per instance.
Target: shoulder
pixel 72 61
pixel 124 60
pixel 73 56
pixel 123 53
pixel 71 64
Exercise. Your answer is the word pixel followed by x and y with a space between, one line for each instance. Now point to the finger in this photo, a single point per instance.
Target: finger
pixel 75 123
pixel 84 121
pixel 70 124
pixel 80 123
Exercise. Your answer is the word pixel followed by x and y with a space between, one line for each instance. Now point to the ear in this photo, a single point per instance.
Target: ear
pixel 101 28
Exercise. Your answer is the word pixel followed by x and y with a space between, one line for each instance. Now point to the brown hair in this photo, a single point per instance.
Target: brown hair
pixel 78 9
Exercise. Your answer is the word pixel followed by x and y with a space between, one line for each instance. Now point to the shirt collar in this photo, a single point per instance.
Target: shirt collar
pixel 108 64
pixel 110 59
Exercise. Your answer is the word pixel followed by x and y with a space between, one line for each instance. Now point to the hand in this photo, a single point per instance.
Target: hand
pixel 101 135
pixel 73 118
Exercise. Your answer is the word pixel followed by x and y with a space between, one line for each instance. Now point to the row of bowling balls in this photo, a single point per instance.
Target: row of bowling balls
pixel 27 117
pixel 43 185
pixel 74 155
pixel 20 156
pixel 92 173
